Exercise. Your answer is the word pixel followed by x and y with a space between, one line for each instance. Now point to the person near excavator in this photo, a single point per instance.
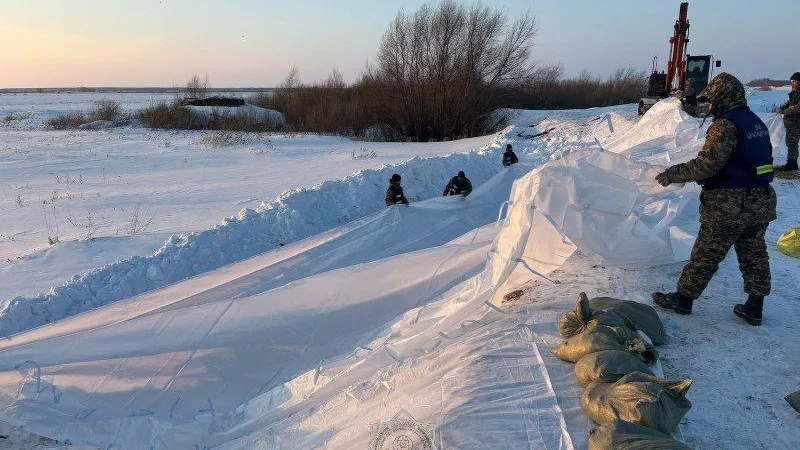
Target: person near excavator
pixel 689 97
pixel 791 121
pixel 394 195
pixel 458 185
pixel 736 203
pixel 509 157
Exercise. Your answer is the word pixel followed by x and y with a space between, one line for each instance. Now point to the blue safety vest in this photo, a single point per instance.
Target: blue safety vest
pixel 750 163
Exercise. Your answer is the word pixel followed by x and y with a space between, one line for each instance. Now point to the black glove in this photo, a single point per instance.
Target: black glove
pixel 663 179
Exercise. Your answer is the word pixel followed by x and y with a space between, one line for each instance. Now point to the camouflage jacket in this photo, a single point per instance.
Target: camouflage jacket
pixel 724 206
pixel 791 109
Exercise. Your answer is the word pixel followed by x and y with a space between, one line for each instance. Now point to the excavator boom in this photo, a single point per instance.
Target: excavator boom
pixel 683 71
pixel 676 66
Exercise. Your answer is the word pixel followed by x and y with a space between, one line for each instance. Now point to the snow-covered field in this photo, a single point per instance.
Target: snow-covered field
pixel 355 311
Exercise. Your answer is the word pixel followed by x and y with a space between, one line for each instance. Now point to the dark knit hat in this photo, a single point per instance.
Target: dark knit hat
pixel 795 76
pixel 395 178
pixel 461 174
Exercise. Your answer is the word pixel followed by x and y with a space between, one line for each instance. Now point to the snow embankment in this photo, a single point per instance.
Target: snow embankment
pixel 247 111
pixel 294 215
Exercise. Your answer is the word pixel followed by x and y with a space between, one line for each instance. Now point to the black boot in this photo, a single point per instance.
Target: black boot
pixel 791 165
pixel 673 301
pixel 751 310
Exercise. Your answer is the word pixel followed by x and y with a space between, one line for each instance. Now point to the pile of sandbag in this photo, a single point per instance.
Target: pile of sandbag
pixel 605 338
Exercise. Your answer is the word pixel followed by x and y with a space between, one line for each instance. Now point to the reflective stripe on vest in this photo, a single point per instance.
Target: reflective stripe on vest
pixel 761 170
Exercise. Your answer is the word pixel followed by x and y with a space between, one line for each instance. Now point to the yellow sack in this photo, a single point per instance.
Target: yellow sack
pixel 789 243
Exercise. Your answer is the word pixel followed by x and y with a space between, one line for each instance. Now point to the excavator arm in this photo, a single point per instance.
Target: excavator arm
pixel 676 66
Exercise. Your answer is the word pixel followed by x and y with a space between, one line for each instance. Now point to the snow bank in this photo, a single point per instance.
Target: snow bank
pixel 253 113
pixel 294 215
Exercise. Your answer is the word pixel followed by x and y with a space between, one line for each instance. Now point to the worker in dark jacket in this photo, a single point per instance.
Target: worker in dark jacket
pixel 509 157
pixel 791 120
pixel 394 195
pixel 736 203
pixel 458 185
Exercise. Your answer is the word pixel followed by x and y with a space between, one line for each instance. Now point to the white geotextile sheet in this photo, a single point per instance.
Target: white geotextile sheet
pixel 171 368
pixel 605 201
pixel 165 378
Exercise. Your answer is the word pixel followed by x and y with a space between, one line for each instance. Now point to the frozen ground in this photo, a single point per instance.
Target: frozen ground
pixel 386 310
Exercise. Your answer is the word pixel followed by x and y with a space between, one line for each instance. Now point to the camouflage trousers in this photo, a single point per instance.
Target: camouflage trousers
pixel 792 137
pixel 713 243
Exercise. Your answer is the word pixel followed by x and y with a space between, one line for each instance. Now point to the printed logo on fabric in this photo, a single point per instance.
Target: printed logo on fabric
pixel 402 433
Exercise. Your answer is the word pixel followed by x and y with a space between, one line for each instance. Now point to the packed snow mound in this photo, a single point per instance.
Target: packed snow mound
pixel 293 216
pixel 251 112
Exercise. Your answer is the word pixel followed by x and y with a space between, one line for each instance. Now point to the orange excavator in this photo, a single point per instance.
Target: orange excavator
pixel 685 76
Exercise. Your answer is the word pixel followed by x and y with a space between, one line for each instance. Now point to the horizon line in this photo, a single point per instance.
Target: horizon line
pixel 144 89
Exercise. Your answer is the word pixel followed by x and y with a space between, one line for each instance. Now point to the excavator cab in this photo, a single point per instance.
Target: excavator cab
pixel 698 68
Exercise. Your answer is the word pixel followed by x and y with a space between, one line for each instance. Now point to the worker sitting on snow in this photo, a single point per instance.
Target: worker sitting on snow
pixel 791 121
pixel 458 185
pixel 394 195
pixel 736 204
pixel 509 157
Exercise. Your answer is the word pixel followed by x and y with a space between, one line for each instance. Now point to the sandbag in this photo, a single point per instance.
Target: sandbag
pixel 638 398
pixel 584 317
pixel 619 435
pixel 608 366
pixel 789 243
pixel 643 317
pixel 600 338
pixel 794 400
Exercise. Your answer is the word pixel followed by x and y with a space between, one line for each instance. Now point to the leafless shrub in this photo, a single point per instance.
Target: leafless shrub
pixel 226 138
pixel 67 121
pixel 105 110
pixel 546 89
pixel 327 107
pixel 51 224
pixel 176 115
pixel 140 220
pixel 363 153
pixel 12 117
pixel 164 115
pixel 90 226
pixel 196 87
pixel 65 178
pixel 440 72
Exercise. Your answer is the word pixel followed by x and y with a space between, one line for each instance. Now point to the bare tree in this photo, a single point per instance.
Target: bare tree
pixel 196 87
pixel 292 79
pixel 441 71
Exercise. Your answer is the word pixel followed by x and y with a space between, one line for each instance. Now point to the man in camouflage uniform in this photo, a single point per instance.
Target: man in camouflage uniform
pixel 791 120
pixel 736 203
pixel 689 98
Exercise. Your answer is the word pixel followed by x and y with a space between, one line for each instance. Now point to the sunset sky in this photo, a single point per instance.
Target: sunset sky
pixel 49 43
